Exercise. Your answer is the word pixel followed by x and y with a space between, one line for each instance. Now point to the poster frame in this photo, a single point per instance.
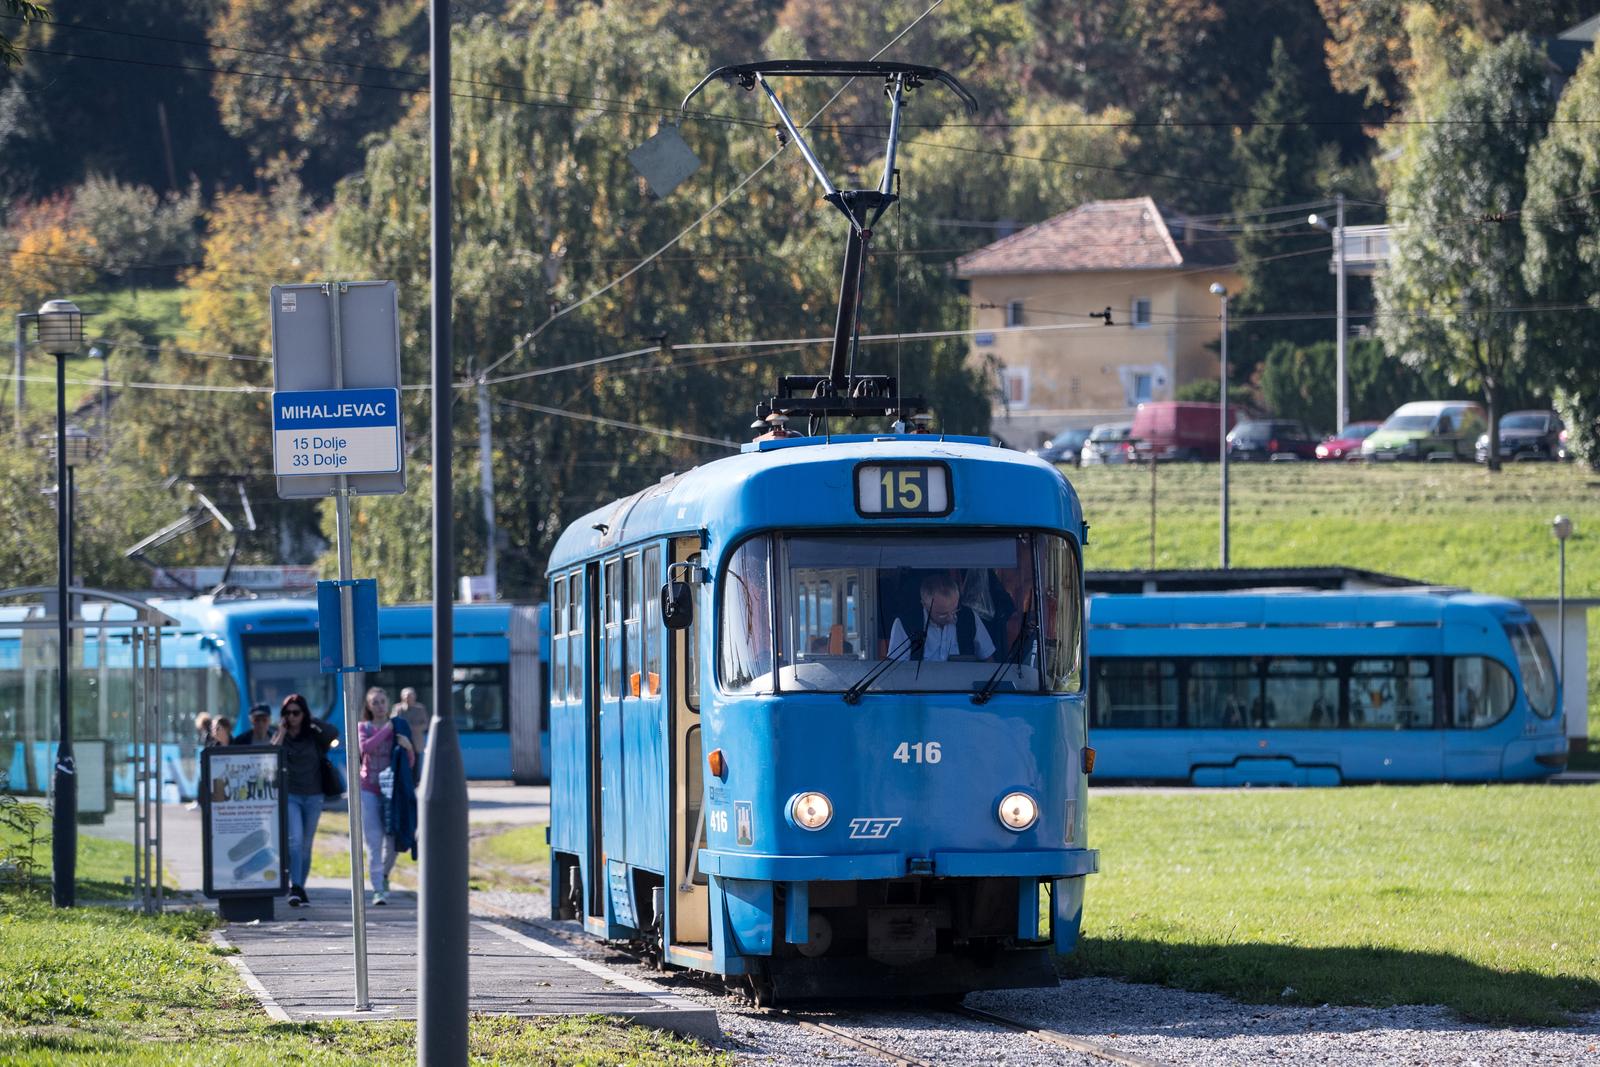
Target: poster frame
pixel 264 890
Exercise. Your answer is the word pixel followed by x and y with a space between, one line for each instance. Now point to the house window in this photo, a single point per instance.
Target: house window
pixel 1141 311
pixel 1075 384
pixel 1141 388
pixel 1013 313
pixel 1014 386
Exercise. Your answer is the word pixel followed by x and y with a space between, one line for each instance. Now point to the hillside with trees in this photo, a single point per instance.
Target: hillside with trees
pixel 167 162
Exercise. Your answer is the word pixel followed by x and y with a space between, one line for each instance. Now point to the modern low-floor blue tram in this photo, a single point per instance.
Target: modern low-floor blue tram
pixel 226 655
pixel 817 721
pixel 1320 688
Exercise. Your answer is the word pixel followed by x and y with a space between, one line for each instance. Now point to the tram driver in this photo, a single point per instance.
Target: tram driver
pixel 948 630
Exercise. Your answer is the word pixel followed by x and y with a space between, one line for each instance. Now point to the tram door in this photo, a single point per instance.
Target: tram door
pixel 613 756
pixel 690 901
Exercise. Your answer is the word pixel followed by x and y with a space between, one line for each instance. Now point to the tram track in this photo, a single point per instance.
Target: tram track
pixel 1055 1037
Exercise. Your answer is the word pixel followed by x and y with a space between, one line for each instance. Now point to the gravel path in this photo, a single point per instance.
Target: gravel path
pixel 1168 1026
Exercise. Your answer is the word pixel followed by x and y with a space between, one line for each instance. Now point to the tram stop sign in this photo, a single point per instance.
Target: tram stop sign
pixel 336 422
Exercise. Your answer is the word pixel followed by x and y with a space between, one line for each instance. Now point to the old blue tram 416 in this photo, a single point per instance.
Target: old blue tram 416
pixel 817 720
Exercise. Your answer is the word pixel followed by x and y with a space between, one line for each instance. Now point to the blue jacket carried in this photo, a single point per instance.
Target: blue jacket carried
pixel 400 814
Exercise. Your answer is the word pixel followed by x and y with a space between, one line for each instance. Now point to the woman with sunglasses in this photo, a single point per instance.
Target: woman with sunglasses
pixel 305 742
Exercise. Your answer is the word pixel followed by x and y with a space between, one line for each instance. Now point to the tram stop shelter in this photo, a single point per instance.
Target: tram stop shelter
pixel 120 741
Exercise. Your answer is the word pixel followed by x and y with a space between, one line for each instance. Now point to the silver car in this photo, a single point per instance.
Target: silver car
pixel 1109 442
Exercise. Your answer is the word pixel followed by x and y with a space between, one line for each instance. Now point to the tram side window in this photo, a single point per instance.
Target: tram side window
pixel 1063 611
pixel 1484 692
pixel 613 628
pixel 652 620
pixel 576 628
pixel 1538 672
pixel 746 659
pixel 558 643
pixel 1300 694
pixel 1135 693
pixel 691 651
pixel 631 625
pixel 1220 693
pixel 1391 694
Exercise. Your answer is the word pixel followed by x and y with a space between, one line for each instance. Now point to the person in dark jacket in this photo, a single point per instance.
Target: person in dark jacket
pixel 305 742
pixel 259 732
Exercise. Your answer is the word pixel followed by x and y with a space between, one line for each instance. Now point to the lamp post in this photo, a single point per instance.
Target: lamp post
pixel 1342 410
pixel 60 334
pixel 1561 526
pixel 1221 291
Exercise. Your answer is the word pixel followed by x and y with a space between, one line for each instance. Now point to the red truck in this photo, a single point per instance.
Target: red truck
pixel 1179 430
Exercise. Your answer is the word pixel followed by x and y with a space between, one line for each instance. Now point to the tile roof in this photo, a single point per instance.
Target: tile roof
pixel 1134 234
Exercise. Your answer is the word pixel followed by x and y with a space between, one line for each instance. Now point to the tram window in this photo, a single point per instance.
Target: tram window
pixel 558 643
pixel 478 692
pixel 1135 693
pixel 1220 693
pixel 746 652
pixel 691 653
pixel 576 628
pixel 1391 694
pixel 1063 608
pixel 1300 694
pixel 935 610
pixel 652 620
pixel 1533 660
pixel 1484 692
pixel 613 628
pixel 631 626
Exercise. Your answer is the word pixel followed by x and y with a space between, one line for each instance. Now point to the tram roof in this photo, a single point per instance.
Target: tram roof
pixel 808 482
pixel 1423 605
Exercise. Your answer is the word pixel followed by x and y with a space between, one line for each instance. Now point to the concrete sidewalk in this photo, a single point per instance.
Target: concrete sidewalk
pixel 302 968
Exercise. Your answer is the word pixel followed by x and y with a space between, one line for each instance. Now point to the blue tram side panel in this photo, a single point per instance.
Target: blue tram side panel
pixel 1321 688
pixel 790 791
pixel 226 655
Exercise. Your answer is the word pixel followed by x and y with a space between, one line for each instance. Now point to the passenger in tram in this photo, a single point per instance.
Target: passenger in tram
pixel 945 629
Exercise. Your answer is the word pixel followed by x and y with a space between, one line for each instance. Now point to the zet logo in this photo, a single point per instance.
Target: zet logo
pixel 872 829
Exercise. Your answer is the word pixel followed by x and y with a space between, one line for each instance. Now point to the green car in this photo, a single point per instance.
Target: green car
pixel 1427 429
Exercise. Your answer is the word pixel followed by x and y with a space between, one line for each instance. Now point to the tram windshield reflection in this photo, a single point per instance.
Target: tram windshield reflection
pixel 949 613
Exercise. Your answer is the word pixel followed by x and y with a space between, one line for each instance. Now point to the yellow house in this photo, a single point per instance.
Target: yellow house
pixel 1036 296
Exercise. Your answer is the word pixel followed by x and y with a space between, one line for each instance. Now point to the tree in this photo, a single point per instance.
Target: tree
pixel 1297 382
pixel 1277 162
pixel 1561 223
pixel 27 12
pixel 1453 295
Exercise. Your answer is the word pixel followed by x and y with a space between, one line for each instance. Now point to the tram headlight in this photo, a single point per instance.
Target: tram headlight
pixel 811 811
pixel 1018 811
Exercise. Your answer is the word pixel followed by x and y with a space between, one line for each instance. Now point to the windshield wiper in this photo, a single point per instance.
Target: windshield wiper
pixel 1013 658
pixel 853 694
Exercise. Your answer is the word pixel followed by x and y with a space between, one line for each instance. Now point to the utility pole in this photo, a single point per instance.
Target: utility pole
pixel 1221 291
pixel 486 484
pixel 19 367
pixel 1342 396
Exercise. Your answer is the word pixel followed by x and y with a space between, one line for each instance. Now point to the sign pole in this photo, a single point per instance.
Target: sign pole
pixel 349 687
pixel 442 905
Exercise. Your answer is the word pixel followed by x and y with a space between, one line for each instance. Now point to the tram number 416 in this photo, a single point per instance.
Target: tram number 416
pixel 918 752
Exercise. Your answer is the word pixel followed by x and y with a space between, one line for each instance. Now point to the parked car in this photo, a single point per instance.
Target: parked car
pixel 1526 435
pixel 1266 439
pixel 1426 429
pixel 1346 444
pixel 1179 430
pixel 1108 443
pixel 1064 447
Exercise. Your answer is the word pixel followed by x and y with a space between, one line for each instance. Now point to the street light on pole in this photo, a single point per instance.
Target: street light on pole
pixel 1561 526
pixel 1221 291
pixel 1342 402
pixel 61 334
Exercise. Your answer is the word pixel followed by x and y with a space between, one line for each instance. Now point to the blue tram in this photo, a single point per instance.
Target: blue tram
pixel 1298 688
pixel 226 655
pixel 815 783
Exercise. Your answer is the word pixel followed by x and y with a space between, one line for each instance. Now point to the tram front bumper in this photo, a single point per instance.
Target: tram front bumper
pixel 866 866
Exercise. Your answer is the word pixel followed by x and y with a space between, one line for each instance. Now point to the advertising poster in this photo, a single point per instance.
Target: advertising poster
pixel 244 820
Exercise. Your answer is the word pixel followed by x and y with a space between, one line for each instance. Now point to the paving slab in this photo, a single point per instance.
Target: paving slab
pixel 304 964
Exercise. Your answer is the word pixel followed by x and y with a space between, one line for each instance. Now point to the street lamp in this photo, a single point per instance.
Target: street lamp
pixel 61 334
pixel 1561 526
pixel 1221 291
pixel 1342 412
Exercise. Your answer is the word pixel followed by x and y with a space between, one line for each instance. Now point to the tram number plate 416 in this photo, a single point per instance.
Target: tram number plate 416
pixel 891 490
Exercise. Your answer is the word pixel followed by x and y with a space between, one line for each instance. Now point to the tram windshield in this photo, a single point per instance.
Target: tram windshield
pixel 1538 672
pixel 279 664
pixel 918 613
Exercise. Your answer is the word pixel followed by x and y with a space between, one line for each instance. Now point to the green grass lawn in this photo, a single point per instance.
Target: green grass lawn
pixel 1482 898
pixel 103 985
pixel 501 857
pixel 105 867
pixel 154 315
pixel 1452 524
